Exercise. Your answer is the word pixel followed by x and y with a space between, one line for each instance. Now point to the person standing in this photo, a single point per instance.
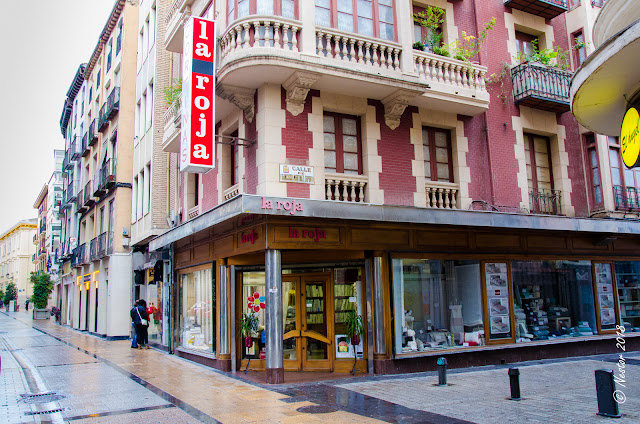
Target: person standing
pixel 26 305
pixel 143 326
pixel 134 317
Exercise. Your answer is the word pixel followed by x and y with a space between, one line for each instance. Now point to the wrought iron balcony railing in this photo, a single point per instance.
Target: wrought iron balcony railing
pixel 113 103
pixel 626 198
pixel 541 87
pixel 76 145
pixel 93 133
pixel 88 195
pixel 545 201
pixel 93 250
pixel 85 144
pixel 102 245
pixel 103 122
pixel 108 174
pixel 110 244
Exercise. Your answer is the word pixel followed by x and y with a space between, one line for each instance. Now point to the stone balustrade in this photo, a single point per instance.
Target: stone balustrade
pixel 231 192
pixel 442 195
pixel 345 187
pixel 441 69
pixel 260 31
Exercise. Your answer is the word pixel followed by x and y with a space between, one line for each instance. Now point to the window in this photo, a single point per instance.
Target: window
pixel 596 185
pixel 538 159
pixel 196 188
pixel 525 43
pixel 553 299
pixel 627 278
pixel 626 182
pixel 90 93
pixel 426 35
pixel 579 54
pixel 342 146
pixel 149 111
pixel 237 9
pixel 119 39
pixel 437 304
pixel 197 311
pixel 109 54
pixel 152 27
pixel 134 200
pixel 234 158
pixel 373 18
pixel 147 189
pixel 97 83
pixel 436 145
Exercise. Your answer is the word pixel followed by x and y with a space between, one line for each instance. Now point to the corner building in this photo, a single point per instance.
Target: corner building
pixel 354 172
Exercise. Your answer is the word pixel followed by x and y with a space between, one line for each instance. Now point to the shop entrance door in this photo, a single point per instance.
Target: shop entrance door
pixel 307 307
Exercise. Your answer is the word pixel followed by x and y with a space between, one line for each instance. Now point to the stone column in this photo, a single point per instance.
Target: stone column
pixel 273 317
pixel 378 312
pixel 232 313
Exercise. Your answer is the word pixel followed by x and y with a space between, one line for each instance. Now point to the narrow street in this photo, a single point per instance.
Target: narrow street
pixel 53 374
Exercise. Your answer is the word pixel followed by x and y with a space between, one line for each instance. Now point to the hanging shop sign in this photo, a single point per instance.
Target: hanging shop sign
pixel 296 174
pixel 197 146
pixel 630 138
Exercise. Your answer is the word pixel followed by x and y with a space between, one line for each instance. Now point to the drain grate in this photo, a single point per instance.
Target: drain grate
pixel 41 397
pixel 316 409
pixel 49 411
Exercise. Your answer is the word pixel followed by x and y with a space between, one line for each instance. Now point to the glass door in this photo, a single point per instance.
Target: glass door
pixel 292 325
pixel 316 331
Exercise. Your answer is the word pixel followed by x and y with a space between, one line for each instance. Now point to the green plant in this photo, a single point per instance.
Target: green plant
pixel 468 46
pixel 42 288
pixel 431 18
pixel 247 324
pixel 2 294
pixel 418 45
pixel 556 57
pixel 499 78
pixel 173 92
pixel 10 294
pixel 353 327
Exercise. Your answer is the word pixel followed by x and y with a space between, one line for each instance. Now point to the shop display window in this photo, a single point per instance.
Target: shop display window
pixel 628 282
pixel 437 304
pixel 253 290
pixel 154 310
pixel 347 296
pixel 553 299
pixel 197 310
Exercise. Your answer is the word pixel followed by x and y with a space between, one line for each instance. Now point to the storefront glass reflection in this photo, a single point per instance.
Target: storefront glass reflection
pixel 197 307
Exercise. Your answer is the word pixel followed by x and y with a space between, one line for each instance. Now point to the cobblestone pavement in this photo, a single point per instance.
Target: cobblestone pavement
pixel 108 382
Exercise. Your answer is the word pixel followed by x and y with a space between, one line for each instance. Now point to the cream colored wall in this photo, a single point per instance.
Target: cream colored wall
pixel 270 120
pixel 543 123
pixel 459 149
pixel 231 123
pixel 19 259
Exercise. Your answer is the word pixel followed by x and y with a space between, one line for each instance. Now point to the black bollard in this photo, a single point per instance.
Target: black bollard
pixel 514 382
pixel 442 371
pixel 605 389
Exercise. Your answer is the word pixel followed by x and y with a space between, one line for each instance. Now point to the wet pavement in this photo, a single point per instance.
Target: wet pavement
pixel 51 373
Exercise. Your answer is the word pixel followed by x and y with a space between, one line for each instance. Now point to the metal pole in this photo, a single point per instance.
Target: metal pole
pixel 442 371
pixel 273 317
pixel 380 345
pixel 232 313
pixel 369 313
pixel 514 383
pixel 224 311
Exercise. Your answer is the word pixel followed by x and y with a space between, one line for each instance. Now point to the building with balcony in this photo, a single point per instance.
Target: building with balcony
pixel 152 167
pixel 448 202
pixel 602 90
pixel 17 252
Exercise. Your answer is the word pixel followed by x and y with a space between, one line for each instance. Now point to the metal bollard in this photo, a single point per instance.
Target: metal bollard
pixel 442 371
pixel 514 382
pixel 605 389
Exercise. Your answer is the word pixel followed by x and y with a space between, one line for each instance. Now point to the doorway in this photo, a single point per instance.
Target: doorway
pixel 308 327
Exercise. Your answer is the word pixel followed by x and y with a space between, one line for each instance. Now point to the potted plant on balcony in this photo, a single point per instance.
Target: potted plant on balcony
pixel 354 329
pixel 42 288
pixel 173 92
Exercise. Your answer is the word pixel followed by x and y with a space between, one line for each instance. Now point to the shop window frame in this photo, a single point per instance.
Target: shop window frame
pixel 485 304
pixel 616 301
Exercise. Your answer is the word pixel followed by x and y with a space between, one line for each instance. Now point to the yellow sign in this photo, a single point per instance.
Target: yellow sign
pixel 630 138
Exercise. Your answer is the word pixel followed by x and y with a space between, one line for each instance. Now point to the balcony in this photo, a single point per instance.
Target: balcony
pixel 98 189
pixel 66 162
pixel 70 195
pixel 110 244
pixel 93 134
pixel 80 207
pixel 345 187
pixel 88 195
pixel 172 125
pixel 108 174
pixel 103 122
pixel 102 245
pixel 86 149
pixel 76 147
pixel 93 250
pixel 81 254
pixel 541 87
pixel 544 8
pixel 626 199
pixel 545 201
pixel 266 49
pixel 176 16
pixel 231 192
pixel 113 103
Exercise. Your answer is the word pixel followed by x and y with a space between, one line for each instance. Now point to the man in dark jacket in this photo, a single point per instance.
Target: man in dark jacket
pixel 134 317
pixel 140 315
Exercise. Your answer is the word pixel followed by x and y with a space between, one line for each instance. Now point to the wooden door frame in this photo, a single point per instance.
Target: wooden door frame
pixel 317 364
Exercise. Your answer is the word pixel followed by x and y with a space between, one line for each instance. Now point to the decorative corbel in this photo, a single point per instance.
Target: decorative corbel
pixel 394 106
pixel 241 97
pixel 297 87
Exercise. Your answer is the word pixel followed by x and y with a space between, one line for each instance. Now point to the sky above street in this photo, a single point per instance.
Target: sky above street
pixel 42 43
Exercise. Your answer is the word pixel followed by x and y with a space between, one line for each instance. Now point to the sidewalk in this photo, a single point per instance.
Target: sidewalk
pixel 554 391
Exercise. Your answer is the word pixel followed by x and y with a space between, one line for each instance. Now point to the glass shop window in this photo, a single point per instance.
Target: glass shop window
pixel 437 304
pixel 197 310
pixel 253 302
pixel 553 299
pixel 628 283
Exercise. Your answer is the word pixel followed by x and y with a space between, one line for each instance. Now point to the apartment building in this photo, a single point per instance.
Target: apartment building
pixel 102 99
pixel 151 165
pixel 72 127
pixel 16 257
pixel 449 202
pixel 48 205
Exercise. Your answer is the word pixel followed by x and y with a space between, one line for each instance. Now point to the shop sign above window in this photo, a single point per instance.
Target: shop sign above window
pixel 197 153
pixel 630 138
